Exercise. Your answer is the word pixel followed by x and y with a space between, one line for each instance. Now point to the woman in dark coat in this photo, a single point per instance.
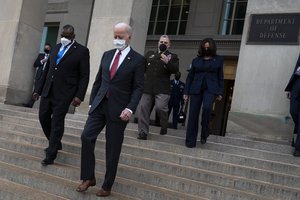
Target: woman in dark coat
pixel 204 84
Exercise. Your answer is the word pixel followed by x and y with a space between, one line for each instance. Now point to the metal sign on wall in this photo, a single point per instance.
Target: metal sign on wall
pixel 277 29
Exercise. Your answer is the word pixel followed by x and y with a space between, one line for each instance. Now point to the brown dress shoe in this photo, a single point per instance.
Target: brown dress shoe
pixel 102 193
pixel 85 185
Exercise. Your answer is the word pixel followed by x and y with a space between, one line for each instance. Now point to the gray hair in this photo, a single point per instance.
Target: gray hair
pixel 122 24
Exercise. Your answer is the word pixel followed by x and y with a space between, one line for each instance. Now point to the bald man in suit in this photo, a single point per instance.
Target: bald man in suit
pixel 115 95
pixel 64 82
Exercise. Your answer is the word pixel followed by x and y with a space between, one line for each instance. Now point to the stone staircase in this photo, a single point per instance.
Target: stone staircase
pixel 161 168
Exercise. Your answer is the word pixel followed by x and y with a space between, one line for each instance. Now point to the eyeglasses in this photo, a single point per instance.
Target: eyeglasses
pixel 163 42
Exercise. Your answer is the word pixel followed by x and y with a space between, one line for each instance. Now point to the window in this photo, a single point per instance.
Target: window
pixel 234 17
pixel 168 17
pixel 50 33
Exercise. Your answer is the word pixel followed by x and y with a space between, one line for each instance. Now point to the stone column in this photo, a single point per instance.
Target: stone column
pixel 259 105
pixel 21 23
pixel 107 13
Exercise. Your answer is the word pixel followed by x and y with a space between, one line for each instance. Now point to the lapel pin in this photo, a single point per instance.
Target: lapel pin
pixel 128 58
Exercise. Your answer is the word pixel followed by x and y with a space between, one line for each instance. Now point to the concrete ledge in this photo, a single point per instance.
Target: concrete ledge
pixel 279 128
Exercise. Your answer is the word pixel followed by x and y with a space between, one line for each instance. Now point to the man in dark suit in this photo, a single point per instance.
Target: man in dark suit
pixel 66 82
pixel 39 66
pixel 161 64
pixel 293 93
pixel 176 98
pixel 115 95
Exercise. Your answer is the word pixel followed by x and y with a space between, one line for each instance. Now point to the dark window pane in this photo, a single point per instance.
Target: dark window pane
pixel 176 2
pixel 172 28
pixel 182 28
pixel 162 13
pixel 186 2
pixel 52 33
pixel 240 10
pixel 150 28
pixel 237 28
pixel 185 12
pixel 154 2
pixel 174 13
pixel 153 13
pixel 164 2
pixel 160 28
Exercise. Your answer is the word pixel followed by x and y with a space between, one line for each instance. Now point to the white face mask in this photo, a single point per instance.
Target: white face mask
pixel 64 41
pixel 119 44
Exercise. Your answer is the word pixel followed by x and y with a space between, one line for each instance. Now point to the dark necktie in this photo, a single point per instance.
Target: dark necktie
pixel 114 66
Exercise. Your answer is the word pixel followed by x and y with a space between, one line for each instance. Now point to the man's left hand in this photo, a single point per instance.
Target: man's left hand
pixel 125 115
pixel 76 102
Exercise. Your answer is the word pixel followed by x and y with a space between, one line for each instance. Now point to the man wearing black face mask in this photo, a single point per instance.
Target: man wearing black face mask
pixel 65 83
pixel 39 66
pixel 160 65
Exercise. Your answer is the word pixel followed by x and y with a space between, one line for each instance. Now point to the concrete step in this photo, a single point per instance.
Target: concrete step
pixel 282 164
pixel 189 173
pixel 69 173
pixel 176 137
pixel 159 168
pixel 12 190
pixel 146 177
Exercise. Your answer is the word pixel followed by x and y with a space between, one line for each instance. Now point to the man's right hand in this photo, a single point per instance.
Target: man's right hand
pixel 35 96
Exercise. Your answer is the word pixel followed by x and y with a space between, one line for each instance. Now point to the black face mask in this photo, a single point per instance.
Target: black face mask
pixel 207 52
pixel 163 47
pixel 46 51
pixel 177 77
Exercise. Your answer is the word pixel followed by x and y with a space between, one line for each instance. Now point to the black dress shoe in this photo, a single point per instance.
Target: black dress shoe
pixel 163 131
pixel 296 153
pixel 142 136
pixel 47 161
pixel 203 140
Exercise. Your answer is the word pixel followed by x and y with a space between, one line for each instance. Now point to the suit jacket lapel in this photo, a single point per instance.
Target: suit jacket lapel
pixel 107 62
pixel 56 52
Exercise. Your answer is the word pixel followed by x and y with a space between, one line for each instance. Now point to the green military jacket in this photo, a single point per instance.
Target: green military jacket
pixel 157 73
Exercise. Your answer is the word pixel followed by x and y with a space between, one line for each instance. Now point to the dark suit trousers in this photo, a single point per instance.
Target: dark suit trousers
pixel 196 101
pixel 295 109
pixel 52 114
pixel 114 135
pixel 175 115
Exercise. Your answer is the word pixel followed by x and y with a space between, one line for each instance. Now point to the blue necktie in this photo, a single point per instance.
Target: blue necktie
pixel 61 53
